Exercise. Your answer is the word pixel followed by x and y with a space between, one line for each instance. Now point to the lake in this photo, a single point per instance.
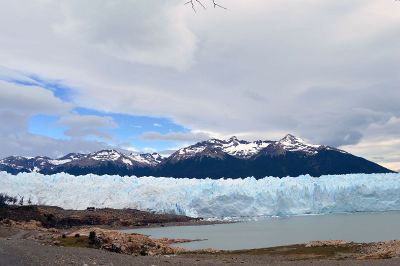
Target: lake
pixel 269 232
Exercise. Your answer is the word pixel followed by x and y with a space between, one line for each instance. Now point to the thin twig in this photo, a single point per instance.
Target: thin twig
pixel 192 3
pixel 200 3
pixel 218 5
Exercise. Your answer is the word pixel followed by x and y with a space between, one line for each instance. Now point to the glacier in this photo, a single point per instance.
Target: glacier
pixel 209 198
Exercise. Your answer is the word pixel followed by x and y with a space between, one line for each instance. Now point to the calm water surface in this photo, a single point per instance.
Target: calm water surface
pixel 268 232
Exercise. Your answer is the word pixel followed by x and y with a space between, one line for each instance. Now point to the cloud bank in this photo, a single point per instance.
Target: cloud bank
pixel 326 71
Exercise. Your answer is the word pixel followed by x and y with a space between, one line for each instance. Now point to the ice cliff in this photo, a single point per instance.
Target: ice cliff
pixel 246 197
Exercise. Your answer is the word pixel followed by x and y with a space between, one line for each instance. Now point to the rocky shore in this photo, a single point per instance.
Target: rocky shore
pixel 87 238
pixel 93 237
pixel 93 228
pixel 99 246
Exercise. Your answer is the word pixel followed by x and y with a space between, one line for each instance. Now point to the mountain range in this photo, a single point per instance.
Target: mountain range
pixel 214 158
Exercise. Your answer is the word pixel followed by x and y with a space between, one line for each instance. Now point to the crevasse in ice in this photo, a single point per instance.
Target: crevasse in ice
pixel 246 197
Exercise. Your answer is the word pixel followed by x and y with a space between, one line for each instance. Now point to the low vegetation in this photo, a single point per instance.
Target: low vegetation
pixel 300 252
pixel 77 240
pixel 5 200
pixel 81 242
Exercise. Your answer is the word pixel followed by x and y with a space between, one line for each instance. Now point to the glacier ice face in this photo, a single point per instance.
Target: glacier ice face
pixel 246 197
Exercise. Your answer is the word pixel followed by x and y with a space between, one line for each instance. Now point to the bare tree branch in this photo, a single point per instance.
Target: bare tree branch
pixel 200 3
pixel 193 4
pixel 218 5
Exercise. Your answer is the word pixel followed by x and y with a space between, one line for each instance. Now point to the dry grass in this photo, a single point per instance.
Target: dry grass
pixel 301 252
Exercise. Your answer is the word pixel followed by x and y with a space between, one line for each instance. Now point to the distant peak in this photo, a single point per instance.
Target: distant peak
pixel 233 138
pixel 215 140
pixel 293 143
pixel 291 138
pixel 108 151
pixel 154 154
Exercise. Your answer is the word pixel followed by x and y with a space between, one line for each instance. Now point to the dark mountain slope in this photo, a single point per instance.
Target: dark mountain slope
pixel 232 158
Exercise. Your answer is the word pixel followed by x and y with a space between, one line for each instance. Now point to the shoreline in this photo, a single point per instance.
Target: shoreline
pixel 172 224
pixel 72 236
pixel 19 243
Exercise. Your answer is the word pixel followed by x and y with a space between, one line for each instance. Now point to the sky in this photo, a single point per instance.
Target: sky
pixel 142 76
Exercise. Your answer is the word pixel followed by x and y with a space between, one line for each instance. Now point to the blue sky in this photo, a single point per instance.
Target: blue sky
pixel 127 132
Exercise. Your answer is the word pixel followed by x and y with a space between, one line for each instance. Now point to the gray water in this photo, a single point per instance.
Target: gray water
pixel 269 232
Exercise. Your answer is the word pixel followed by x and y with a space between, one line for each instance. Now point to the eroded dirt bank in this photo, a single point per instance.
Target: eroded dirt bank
pixel 55 217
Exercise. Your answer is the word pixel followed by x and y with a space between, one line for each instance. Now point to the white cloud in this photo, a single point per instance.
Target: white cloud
pixel 383 151
pixel 27 100
pixel 25 144
pixel 176 136
pixel 381 143
pixel 153 33
pixel 325 70
pixel 18 104
pixel 87 125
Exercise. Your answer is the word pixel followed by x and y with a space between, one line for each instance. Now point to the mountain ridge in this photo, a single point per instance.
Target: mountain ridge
pixel 214 158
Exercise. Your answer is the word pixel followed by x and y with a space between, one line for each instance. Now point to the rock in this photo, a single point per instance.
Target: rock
pixel 385 249
pixel 378 255
pixel 327 243
pixel 133 244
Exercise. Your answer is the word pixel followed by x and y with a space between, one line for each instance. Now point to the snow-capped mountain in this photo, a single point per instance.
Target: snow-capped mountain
pixel 289 156
pixel 151 159
pixel 245 149
pixel 214 158
pixel 80 162
pixel 295 144
pixel 217 148
pixel 133 159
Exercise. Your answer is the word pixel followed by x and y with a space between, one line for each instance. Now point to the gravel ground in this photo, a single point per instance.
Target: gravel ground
pixel 15 251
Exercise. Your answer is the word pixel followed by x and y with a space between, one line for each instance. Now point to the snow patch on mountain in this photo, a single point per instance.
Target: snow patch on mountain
pixel 212 198
pixel 244 149
pixel 295 144
pixel 127 161
pixel 60 161
pixel 146 158
pixel 105 155
pixel 66 159
pixel 232 146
